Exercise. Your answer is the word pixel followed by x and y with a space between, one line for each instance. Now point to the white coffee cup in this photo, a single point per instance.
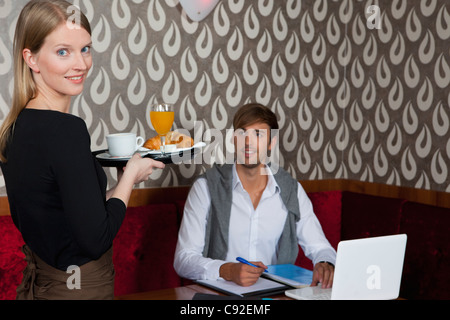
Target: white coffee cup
pixel 123 144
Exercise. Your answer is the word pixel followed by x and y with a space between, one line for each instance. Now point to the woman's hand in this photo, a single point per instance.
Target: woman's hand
pixel 142 167
pixel 138 169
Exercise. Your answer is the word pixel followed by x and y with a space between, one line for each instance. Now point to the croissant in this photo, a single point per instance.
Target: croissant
pixel 173 137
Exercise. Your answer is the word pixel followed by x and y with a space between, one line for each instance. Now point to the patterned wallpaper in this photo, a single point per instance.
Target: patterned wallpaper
pixel 353 101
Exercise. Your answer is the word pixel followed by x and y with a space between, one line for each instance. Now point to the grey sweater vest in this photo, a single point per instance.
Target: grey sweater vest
pixel 219 180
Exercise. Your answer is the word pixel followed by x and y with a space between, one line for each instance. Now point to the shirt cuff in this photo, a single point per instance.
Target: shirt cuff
pixel 212 270
pixel 328 257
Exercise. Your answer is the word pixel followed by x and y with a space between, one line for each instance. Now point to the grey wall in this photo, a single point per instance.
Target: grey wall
pixel 353 102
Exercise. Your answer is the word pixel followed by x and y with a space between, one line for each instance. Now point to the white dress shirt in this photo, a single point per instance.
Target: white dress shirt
pixel 253 233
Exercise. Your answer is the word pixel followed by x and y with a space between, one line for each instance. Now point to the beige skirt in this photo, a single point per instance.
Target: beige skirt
pixel 91 281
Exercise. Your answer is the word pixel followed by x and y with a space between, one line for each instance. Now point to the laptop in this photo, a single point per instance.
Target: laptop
pixel 366 269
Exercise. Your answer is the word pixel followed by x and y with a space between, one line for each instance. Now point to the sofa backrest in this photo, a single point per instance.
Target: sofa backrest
pixel 327 206
pixel 12 260
pixel 369 216
pixel 427 257
pixel 144 248
pixel 426 272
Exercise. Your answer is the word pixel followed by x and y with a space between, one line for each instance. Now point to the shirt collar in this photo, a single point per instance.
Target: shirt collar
pixel 272 185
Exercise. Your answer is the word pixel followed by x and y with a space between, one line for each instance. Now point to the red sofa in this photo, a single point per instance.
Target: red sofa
pixel 145 244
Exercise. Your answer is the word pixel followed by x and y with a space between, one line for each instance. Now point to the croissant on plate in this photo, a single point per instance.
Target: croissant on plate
pixel 172 137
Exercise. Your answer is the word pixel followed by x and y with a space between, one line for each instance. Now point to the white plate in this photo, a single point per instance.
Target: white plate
pixel 145 151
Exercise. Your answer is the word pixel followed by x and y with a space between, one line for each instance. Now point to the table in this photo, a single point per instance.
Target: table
pixel 178 304
pixel 179 293
pixel 185 293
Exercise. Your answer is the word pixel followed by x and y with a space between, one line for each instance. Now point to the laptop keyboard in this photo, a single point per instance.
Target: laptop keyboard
pixel 310 293
pixel 321 296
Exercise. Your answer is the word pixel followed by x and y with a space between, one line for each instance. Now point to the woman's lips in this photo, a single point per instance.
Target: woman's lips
pixel 76 79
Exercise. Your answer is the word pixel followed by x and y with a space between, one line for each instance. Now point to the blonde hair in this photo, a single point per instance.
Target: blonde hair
pixel 36 21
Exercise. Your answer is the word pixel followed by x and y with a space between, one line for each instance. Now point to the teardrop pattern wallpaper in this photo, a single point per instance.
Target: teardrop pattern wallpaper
pixel 361 88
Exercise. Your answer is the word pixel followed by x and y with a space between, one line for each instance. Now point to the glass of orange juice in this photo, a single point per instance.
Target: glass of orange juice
pixel 162 116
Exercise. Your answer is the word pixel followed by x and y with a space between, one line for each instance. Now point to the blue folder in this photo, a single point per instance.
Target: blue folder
pixel 289 274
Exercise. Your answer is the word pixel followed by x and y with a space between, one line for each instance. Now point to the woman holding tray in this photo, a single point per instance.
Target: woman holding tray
pixel 56 189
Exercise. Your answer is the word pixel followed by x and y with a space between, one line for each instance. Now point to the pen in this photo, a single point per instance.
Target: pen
pixel 242 260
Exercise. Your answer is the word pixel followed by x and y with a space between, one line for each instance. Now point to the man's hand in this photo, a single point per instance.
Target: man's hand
pixel 242 274
pixel 323 272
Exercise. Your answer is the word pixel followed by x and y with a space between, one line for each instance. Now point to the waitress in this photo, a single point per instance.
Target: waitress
pixel 56 188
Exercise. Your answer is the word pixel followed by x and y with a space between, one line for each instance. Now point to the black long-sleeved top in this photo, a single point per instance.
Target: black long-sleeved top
pixel 57 189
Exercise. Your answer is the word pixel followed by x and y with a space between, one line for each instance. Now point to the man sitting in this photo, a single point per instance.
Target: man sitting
pixel 247 209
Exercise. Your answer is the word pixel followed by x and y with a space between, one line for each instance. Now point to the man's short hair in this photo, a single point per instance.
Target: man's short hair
pixel 252 113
